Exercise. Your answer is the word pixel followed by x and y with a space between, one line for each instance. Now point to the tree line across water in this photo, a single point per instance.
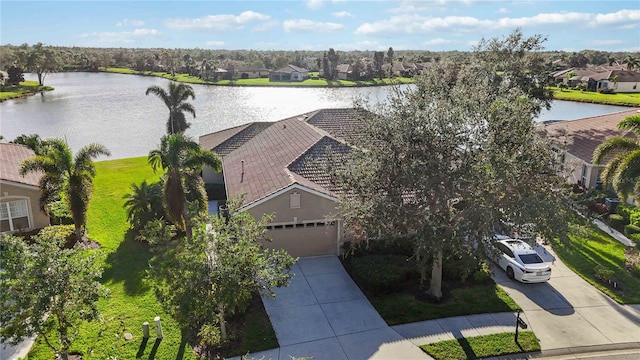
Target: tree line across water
pixel 43 59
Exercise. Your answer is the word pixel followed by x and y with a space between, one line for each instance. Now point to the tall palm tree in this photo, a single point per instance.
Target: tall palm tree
pixel 176 101
pixel 623 168
pixel 182 159
pixel 633 63
pixel 68 176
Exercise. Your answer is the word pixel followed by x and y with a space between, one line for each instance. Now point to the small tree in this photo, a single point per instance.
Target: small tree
pixel 16 76
pixel 203 281
pixel 47 290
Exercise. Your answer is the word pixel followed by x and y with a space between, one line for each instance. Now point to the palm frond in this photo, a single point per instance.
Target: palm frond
pixel 627 173
pixel 631 123
pixel 612 145
pixel 610 169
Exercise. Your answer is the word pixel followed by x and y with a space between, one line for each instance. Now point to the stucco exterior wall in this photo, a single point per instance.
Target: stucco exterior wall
pixel 291 229
pixel 627 87
pixel 211 177
pixel 9 192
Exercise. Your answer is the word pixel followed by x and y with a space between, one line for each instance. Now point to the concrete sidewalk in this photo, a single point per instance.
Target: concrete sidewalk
pixel 613 232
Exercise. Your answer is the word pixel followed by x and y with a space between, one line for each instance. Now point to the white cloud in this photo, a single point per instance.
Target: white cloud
pixel 304 25
pixel 214 43
pixel 130 22
pixel 438 41
pixel 415 23
pixel 126 37
pixel 220 22
pixel 628 26
pixel 267 25
pixel 361 45
pixel 314 4
pixel 502 11
pixel 343 14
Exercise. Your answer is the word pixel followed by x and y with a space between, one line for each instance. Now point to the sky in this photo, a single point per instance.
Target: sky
pixel 438 25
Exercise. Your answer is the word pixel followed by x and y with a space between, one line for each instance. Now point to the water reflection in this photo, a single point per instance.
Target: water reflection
pixel 112 109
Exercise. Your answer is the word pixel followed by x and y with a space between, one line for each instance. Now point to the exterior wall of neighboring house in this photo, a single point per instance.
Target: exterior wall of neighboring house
pixel 211 177
pixel 250 74
pixel 20 208
pixel 628 87
pixel 576 169
pixel 299 223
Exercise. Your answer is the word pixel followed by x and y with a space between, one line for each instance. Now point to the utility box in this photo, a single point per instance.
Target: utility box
pixel 612 203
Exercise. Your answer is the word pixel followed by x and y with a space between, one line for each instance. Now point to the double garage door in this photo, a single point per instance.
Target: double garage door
pixel 308 239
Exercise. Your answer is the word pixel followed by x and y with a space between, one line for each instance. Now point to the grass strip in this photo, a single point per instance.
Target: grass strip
pixel 588 247
pixel 262 81
pixel 25 88
pixel 483 346
pixel 620 99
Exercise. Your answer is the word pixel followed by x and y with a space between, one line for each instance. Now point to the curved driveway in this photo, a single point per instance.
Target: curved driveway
pixel 569 312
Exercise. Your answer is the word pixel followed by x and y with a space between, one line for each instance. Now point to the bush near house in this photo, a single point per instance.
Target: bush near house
pixel 631 229
pixel 617 222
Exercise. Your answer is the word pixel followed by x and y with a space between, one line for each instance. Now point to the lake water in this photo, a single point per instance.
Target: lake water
pixel 113 110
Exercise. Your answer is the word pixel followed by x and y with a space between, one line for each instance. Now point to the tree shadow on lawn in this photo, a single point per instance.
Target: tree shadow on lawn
pixel 128 264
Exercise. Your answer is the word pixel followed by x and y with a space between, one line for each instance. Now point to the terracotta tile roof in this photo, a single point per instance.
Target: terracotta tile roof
pixel 281 154
pixel 311 165
pixel 582 136
pixel 11 158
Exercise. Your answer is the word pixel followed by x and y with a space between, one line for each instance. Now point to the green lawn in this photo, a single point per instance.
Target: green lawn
pixel 588 247
pixel 25 88
pixel 262 81
pixel 483 346
pixel 132 300
pixel 402 308
pixel 624 99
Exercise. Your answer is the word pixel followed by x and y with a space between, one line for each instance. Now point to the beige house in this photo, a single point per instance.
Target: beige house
pixel 277 166
pixel 19 196
pixel 615 78
pixel 575 141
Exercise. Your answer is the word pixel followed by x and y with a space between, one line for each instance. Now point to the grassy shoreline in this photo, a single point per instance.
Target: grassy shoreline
pixel 26 88
pixel 616 99
pixel 262 82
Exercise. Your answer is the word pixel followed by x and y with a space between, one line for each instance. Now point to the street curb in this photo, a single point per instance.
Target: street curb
pixel 571 351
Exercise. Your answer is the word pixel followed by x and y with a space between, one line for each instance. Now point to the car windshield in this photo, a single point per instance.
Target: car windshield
pixel 530 259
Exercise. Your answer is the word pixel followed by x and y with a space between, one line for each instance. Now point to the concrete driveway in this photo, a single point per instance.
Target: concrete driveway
pixel 324 315
pixel 569 312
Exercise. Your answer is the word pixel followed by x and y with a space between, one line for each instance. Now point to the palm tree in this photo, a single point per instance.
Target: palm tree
pixel 175 100
pixel 182 159
pixel 633 63
pixel 623 168
pixel 33 142
pixel 64 174
pixel 144 203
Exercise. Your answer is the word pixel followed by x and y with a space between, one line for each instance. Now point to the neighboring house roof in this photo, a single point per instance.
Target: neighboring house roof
pixel 599 73
pixel 11 158
pixel 581 137
pixel 344 68
pixel 260 159
pixel 249 68
pixel 290 69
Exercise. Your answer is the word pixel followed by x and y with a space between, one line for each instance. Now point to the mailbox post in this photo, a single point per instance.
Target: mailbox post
pixel 519 324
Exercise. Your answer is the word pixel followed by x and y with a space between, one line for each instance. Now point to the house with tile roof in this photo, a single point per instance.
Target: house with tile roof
pixel 575 140
pixel 280 168
pixel 616 78
pixel 289 73
pixel 19 195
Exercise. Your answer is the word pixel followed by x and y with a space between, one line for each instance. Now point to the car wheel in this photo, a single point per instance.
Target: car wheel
pixel 510 273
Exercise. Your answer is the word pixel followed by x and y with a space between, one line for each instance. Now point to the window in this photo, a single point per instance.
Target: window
pixel 294 200
pixel 14 215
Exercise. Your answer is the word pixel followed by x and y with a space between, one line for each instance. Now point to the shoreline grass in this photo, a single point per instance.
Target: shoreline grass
pixel 261 82
pixel 26 88
pixel 486 346
pixel 618 99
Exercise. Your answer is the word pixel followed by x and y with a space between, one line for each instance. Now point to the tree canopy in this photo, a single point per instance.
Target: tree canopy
pixel 455 158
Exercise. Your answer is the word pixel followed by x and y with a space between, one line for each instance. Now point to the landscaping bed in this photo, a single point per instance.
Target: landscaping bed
pixel 483 346
pixel 390 281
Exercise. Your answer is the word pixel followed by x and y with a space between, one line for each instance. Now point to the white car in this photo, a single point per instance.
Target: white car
pixel 520 261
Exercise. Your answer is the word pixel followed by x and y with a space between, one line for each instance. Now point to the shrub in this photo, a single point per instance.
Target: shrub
pixel 635 238
pixel 394 246
pixel 482 275
pixel 382 273
pixel 59 231
pixel 460 267
pixel 634 217
pixel 617 222
pixel 604 274
pixel 631 229
pixel 625 211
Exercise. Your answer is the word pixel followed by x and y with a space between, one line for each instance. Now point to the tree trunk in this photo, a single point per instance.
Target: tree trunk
pixel 223 324
pixel 40 78
pixel 435 289
pixel 187 222
pixel 79 232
